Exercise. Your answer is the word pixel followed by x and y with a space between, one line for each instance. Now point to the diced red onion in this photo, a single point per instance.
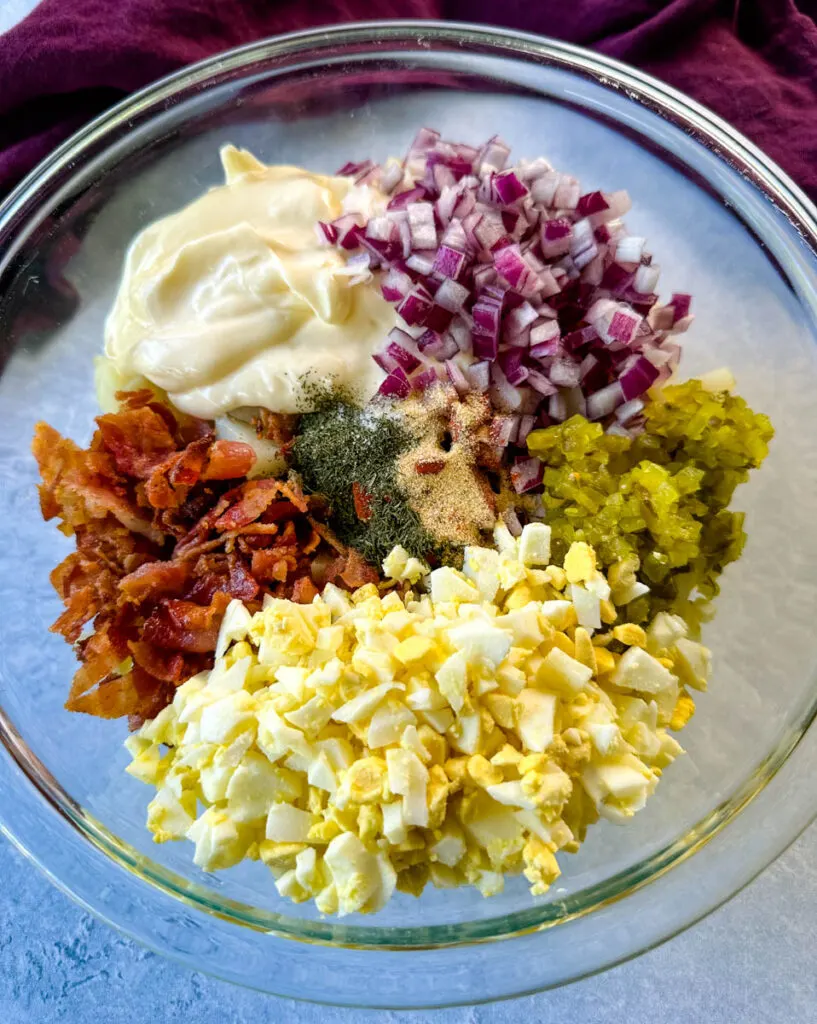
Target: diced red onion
pixel 449 262
pixel 679 304
pixel 538 381
pixel 564 373
pixel 503 430
pixel 557 408
pixel 478 376
pixel 439 319
pixel 415 307
pixel 451 295
pixel 461 334
pixel 349 231
pixel 402 200
pixel 508 188
pixel 617 430
pixel 457 378
pixel 421 225
pixel 629 410
pixel 592 202
pixel 402 356
pixel 526 425
pixel 494 154
pixel 511 265
pixel 395 385
pixel 519 319
pixel 423 378
pixel 503 394
pixel 630 248
pixel 566 196
pixel 511 361
pixel 526 474
pixel 395 285
pixel 421 263
pixel 639 378
pixel 623 326
pixel 646 279
pixel 602 403
pixel 329 232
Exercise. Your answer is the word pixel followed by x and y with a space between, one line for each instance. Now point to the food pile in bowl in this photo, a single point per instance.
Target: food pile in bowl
pixel 397 530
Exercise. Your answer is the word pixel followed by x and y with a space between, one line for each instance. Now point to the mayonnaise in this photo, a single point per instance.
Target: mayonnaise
pixel 233 302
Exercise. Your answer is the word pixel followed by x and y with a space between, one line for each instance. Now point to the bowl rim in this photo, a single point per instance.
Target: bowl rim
pixel 729 145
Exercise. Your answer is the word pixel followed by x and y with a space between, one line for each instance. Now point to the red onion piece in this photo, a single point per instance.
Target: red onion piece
pixel 526 425
pixel 638 378
pixel 415 307
pixel 592 202
pixel 478 376
pixel 564 373
pixel 629 410
pixel 451 295
pixel 449 262
pixel 511 361
pixel 503 394
pixel 402 356
pixel 402 200
pixel 438 318
pixel 423 378
pixel 421 225
pixel 457 378
pixel 679 304
pixel 349 231
pixel 395 385
pixel 494 154
pixel 602 403
pixel 328 231
pixel 538 381
pixel 511 265
pixel 508 188
pixel 503 430
pixel 557 408
pixel 526 474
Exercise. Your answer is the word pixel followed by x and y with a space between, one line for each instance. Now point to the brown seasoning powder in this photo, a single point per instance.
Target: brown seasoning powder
pixel 439 475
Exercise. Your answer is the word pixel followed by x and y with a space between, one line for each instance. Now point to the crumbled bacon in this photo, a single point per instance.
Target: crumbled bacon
pixel 168 531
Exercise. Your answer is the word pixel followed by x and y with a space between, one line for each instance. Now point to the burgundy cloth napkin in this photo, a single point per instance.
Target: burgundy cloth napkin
pixel 752 61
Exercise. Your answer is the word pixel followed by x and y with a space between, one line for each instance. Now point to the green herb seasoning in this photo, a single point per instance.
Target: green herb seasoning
pixel 350 456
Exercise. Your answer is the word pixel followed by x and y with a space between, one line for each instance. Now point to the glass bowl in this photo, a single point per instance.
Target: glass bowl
pixel 725 224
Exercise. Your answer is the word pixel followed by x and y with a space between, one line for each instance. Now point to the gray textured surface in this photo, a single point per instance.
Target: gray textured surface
pixel 752 962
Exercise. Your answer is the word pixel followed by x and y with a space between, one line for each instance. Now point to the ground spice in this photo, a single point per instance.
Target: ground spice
pixel 440 473
pixel 350 455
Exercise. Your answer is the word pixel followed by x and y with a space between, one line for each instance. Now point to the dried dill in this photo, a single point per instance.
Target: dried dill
pixel 350 455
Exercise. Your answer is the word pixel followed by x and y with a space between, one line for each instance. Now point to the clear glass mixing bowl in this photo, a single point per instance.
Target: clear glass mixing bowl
pixel 725 224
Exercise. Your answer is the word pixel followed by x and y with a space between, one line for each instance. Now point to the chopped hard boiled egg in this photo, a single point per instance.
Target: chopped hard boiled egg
pixel 459 728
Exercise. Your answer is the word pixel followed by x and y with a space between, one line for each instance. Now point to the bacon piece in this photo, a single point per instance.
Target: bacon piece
pixel 170 482
pixel 136 693
pixel 184 626
pixel 362 502
pixel 155 580
pixel 357 571
pixel 169 666
pixel 277 427
pixel 256 497
pixel 304 591
pixel 138 439
pixel 273 565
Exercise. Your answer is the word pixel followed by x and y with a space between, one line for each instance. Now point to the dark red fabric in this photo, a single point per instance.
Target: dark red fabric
pixel 752 61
